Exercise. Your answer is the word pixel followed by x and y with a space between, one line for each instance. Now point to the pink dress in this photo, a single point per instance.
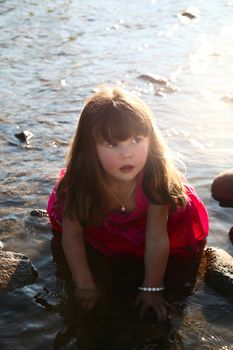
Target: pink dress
pixel 124 232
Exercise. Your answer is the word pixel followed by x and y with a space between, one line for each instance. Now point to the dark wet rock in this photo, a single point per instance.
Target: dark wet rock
pixel 16 270
pixel 24 136
pixel 231 234
pixel 222 188
pixel 39 213
pixel 219 271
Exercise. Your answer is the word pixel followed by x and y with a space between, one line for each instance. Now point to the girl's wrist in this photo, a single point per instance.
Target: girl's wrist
pixel 85 283
pixel 86 286
pixel 152 282
pixel 151 289
pixel 151 285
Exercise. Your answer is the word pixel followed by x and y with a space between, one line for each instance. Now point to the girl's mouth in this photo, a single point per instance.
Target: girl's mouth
pixel 126 168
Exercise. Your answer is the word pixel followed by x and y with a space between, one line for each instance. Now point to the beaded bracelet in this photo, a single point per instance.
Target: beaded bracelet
pixel 151 289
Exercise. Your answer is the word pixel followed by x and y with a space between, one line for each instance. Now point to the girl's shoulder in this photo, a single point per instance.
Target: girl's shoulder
pixel 61 173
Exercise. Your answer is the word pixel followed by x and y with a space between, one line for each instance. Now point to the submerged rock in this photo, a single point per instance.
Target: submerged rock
pixel 191 12
pixel 24 136
pixel 228 98
pixel 153 78
pixel 167 89
pixel 16 270
pixel 165 86
pixel 219 271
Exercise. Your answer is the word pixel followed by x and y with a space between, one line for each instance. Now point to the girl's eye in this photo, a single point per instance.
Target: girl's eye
pixel 111 145
pixel 137 140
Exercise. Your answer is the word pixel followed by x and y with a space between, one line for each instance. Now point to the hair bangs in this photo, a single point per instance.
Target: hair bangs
pixel 117 124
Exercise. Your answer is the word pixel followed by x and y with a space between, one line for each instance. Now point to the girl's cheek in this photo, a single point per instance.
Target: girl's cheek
pixel 112 162
pixel 109 160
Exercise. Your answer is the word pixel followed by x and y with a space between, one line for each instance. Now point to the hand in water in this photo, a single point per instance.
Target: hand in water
pixel 154 301
pixel 87 297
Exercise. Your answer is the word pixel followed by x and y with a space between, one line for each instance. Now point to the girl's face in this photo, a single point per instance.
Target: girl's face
pixel 123 160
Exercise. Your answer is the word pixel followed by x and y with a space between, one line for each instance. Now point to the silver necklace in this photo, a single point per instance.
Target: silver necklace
pixel 123 204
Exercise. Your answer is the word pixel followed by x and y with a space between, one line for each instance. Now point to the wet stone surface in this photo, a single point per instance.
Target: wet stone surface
pixel 222 188
pixel 24 136
pixel 219 271
pixel 16 271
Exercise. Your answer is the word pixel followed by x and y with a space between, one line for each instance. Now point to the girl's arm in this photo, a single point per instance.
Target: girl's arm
pixel 156 245
pixel 75 252
pixel 156 256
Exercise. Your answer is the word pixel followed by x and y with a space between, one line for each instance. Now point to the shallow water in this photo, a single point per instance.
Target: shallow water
pixel 53 54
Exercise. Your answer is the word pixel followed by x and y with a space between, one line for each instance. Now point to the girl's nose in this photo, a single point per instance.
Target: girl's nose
pixel 126 152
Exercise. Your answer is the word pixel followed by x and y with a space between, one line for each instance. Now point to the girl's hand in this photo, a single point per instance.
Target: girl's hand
pixel 87 297
pixel 155 301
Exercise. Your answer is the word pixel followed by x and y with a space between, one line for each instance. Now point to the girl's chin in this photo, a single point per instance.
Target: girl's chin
pixel 124 178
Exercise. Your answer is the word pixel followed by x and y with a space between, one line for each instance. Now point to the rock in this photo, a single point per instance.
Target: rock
pixel 231 235
pixel 165 84
pixel 228 98
pixel 160 93
pixel 222 188
pixel 24 136
pixel 191 12
pixel 153 78
pixel 167 89
pixel 16 270
pixel 188 14
pixel 39 213
pixel 219 271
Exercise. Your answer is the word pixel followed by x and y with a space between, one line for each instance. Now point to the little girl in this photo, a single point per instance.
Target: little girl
pixel 121 194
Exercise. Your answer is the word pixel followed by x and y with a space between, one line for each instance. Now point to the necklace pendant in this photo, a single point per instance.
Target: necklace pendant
pixel 123 208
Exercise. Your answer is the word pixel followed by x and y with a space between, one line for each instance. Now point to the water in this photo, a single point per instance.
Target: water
pixel 53 54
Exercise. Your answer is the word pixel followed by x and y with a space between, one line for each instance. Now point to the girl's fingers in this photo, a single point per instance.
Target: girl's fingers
pixel 161 313
pixel 143 310
pixel 87 298
pixel 160 308
pixel 141 305
pixel 87 305
pixel 137 302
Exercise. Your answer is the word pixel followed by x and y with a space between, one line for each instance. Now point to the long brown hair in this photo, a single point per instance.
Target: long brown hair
pixel 113 114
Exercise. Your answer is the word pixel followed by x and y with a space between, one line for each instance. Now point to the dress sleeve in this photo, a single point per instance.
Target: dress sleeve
pixel 54 209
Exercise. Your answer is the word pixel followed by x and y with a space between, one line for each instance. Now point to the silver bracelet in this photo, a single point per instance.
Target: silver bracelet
pixel 151 289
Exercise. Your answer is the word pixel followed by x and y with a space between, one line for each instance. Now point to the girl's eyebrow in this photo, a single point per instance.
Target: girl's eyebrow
pixel 119 140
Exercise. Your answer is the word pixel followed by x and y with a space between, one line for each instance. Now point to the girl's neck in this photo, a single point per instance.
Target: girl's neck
pixel 121 194
pixel 119 186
